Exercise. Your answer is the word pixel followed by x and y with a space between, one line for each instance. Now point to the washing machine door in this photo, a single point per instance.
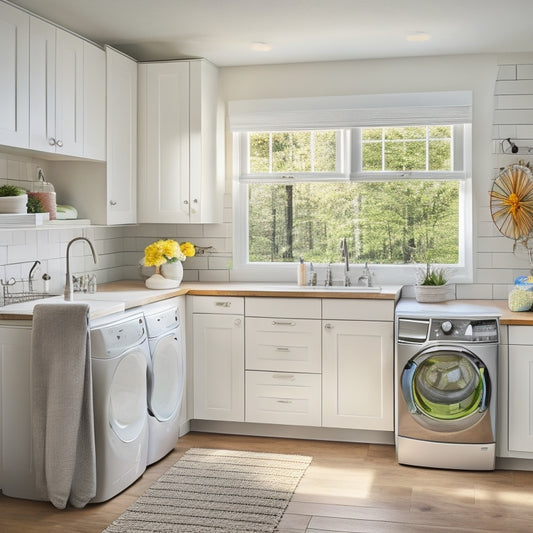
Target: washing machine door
pixel 167 378
pixel 127 396
pixel 446 388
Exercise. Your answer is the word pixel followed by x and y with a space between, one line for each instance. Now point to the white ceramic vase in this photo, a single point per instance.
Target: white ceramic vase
pixel 173 271
pixel 157 281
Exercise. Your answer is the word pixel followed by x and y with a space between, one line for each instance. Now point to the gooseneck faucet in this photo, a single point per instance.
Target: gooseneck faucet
pixel 69 289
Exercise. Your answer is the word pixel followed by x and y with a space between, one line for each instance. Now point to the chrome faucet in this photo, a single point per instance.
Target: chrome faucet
pixel 69 290
pixel 31 274
pixel 346 256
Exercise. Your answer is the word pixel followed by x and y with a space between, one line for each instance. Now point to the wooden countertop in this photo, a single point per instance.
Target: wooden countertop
pixel 126 294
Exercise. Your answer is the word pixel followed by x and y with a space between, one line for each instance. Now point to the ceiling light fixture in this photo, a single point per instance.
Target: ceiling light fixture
pixel 260 47
pixel 417 36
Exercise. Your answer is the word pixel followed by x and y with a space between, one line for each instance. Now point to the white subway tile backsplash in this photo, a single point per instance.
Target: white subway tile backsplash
pixel 524 72
pixel 214 275
pixel 514 87
pixel 474 291
pixel 514 101
pixel 507 72
pixel 513 116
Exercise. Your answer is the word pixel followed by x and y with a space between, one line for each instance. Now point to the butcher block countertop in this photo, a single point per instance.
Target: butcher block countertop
pixel 126 294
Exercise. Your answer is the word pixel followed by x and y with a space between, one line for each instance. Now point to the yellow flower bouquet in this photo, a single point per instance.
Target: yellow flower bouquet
pixel 169 251
pixel 166 256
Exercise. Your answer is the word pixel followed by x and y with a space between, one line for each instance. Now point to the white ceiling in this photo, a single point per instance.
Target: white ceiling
pixel 297 30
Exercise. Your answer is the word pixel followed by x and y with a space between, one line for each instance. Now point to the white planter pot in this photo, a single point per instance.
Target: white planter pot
pixel 433 293
pixel 173 271
pixel 13 204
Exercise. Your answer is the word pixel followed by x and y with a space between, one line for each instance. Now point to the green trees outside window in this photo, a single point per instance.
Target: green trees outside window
pixel 396 221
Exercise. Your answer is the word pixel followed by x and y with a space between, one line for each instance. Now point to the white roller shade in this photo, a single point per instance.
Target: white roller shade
pixel 336 112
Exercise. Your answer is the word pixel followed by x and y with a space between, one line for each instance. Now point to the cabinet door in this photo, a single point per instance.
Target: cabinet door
pixel 218 342
pixel 206 181
pixel 357 375
pixel 69 94
pixel 164 142
pixel 14 72
pixel 94 108
pixel 520 398
pixel 121 138
pixel 42 85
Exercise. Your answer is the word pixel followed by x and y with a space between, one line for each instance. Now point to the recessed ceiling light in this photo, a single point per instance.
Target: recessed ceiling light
pixel 261 47
pixel 417 36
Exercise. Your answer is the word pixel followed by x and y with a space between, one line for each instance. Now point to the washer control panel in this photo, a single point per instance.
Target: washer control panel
pixel 464 330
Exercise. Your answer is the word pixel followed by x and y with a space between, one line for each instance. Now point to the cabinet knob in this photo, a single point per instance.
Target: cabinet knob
pixel 59 143
pixel 238 321
pixel 328 326
pixel 186 202
pixel 112 202
pixel 51 141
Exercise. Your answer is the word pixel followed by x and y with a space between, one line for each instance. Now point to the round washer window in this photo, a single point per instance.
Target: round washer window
pixel 448 386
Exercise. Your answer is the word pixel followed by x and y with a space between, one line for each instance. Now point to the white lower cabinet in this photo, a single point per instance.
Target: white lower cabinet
pixel 302 364
pixel 357 375
pixel 283 398
pixel 520 409
pixel 218 339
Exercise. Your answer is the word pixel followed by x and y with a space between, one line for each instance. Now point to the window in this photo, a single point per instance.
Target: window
pixel 399 194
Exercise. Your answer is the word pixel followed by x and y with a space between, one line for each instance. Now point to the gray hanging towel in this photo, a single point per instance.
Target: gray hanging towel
pixel 62 404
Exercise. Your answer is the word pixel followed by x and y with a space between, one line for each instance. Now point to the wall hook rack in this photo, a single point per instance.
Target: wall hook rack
pixel 509 147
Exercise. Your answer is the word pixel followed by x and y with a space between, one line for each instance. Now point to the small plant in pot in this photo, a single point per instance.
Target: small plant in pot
pixel 432 285
pixel 13 199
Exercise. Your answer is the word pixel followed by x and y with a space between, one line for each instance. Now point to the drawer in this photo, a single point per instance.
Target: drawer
pixel 283 345
pixel 283 398
pixel 357 309
pixel 284 307
pixel 218 304
pixel 521 335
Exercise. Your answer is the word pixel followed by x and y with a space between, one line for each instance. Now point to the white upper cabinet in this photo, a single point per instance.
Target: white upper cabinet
pixel 178 179
pixel 121 138
pixel 67 93
pixel 56 90
pixel 94 102
pixel 14 71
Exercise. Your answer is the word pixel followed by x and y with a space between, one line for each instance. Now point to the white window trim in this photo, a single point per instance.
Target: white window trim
pixel 384 274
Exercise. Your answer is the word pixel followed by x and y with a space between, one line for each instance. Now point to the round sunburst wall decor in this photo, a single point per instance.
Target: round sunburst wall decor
pixel 511 202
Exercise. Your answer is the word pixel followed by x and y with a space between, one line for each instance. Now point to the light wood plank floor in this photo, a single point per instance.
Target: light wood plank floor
pixel 347 488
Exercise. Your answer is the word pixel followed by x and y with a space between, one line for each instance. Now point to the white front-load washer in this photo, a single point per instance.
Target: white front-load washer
pixel 120 357
pixel 166 376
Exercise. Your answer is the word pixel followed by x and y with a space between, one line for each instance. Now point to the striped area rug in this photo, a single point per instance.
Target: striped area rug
pixel 216 491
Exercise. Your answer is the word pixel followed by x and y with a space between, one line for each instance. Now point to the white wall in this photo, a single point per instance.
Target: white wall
pixel 505 93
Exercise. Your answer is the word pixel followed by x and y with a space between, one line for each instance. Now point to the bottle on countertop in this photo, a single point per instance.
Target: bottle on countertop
pixel 301 272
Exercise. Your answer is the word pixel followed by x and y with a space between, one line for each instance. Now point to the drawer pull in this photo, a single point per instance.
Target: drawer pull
pixel 223 304
pixel 283 376
pixel 282 349
pixel 328 326
pixel 284 401
pixel 283 323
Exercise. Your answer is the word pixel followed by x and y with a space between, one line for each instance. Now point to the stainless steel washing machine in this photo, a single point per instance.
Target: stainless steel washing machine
pixel 446 384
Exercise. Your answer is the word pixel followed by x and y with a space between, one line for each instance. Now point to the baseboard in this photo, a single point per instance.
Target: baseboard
pixel 293 432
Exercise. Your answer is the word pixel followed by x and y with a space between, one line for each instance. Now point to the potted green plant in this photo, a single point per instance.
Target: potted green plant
pixel 432 285
pixel 13 199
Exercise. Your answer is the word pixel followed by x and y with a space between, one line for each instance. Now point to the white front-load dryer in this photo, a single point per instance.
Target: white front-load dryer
pixel 120 357
pixel 166 376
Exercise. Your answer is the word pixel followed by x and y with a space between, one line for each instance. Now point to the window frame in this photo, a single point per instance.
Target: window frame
pixel 243 270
